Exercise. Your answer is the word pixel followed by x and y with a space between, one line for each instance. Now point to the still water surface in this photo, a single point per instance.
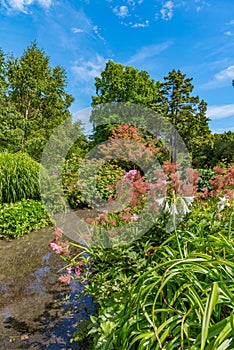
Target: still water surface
pixel 37 311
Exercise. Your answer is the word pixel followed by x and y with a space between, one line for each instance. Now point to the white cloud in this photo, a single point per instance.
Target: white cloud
pixel 86 71
pixel 121 11
pixel 228 33
pixel 139 25
pixel 226 74
pixel 221 79
pixel 45 3
pixel 23 5
pixel 219 112
pixel 231 22
pixel 77 30
pixel 201 4
pixel 149 52
pixel 167 11
pixel 96 31
pixel 89 28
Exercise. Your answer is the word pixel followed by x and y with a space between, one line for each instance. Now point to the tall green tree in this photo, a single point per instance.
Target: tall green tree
pixel 37 93
pixel 10 134
pixel 3 82
pixel 186 112
pixel 119 83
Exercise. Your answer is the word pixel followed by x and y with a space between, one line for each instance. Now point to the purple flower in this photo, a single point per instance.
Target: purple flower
pixel 69 269
pixel 77 271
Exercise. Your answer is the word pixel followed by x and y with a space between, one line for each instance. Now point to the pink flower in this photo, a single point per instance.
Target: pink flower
pixel 129 176
pixel 57 248
pixel 57 233
pixel 65 278
pixel 134 217
pixel 54 174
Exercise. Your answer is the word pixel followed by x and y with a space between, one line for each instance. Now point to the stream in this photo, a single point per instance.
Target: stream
pixel 36 310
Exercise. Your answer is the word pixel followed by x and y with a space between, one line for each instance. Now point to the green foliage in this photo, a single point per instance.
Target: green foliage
pixel 19 177
pixel 119 83
pixel 171 98
pixel 34 101
pixel 186 112
pixel 17 219
pixel 71 183
pixel 164 290
pixel 151 298
pixel 205 175
pixel 222 150
pixel 76 192
pixel 107 177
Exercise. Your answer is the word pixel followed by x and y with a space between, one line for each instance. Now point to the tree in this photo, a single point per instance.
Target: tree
pixel 119 83
pixel 36 94
pixel 3 83
pixel 10 133
pixel 222 149
pixel 186 112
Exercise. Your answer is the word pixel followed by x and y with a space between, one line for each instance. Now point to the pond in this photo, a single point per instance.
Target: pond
pixel 36 310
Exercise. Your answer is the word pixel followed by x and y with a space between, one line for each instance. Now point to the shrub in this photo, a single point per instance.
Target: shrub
pixel 19 177
pixel 221 183
pixel 152 298
pixel 205 175
pixel 156 296
pixel 71 183
pixel 22 217
pixel 164 291
pixel 106 179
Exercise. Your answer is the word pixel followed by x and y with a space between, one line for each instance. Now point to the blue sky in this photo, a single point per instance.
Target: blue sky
pixel 196 36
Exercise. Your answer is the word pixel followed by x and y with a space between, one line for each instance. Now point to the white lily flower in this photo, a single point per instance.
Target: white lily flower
pixel 189 200
pixel 160 201
pixel 167 208
pixel 185 207
pixel 222 203
pixel 173 210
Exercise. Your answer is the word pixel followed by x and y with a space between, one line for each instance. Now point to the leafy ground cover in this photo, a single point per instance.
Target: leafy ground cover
pixel 17 219
pixel 21 210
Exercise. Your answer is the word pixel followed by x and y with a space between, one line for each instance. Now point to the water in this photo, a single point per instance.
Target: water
pixel 36 310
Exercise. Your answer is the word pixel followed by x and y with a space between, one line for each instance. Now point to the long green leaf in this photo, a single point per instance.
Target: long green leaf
pixel 210 305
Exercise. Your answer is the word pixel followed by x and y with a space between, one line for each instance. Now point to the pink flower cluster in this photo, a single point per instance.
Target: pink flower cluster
pixel 58 246
pixel 130 175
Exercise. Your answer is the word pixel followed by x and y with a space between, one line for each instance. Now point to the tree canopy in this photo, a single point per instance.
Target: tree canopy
pixel 171 98
pixel 34 100
pixel 122 84
pixel 186 112
pixel 119 83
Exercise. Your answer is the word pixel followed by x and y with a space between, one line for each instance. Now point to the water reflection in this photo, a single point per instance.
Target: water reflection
pixel 37 311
